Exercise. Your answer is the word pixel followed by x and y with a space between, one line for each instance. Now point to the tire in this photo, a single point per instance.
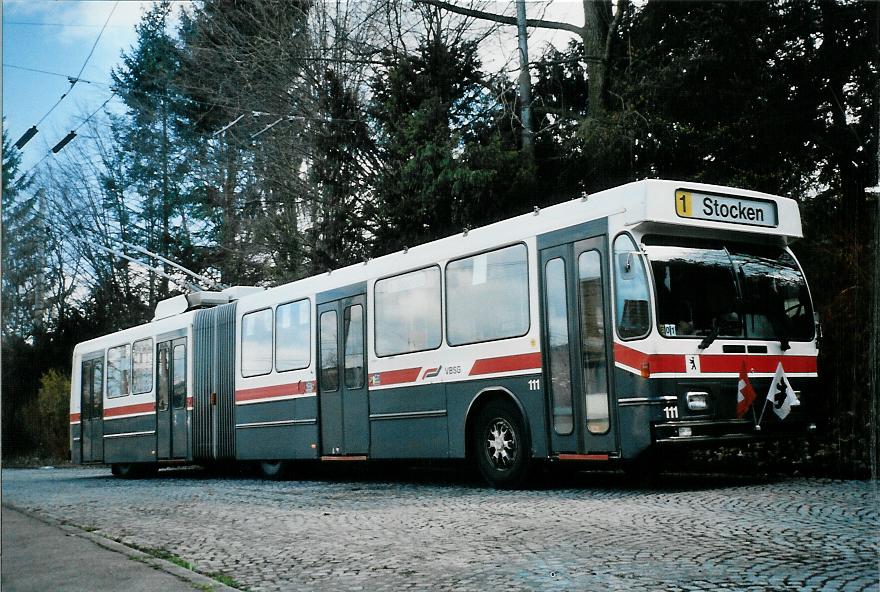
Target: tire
pixel 274 470
pixel 122 470
pixel 501 445
pixel 133 470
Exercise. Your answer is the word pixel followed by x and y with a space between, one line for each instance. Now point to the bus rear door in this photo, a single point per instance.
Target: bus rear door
pixel 92 409
pixel 578 344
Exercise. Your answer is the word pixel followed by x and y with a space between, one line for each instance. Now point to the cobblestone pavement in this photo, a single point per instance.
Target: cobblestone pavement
pixel 355 532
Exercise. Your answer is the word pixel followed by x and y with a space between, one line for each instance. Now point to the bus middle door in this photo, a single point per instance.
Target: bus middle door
pixel 342 388
pixel 171 427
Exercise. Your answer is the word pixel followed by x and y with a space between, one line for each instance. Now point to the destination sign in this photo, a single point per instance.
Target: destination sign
pixel 725 208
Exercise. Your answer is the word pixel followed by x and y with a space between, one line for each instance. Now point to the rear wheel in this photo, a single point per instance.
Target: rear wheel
pixel 273 469
pixel 501 445
pixel 133 470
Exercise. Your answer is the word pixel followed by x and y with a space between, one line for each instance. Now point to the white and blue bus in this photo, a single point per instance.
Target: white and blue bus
pixel 594 330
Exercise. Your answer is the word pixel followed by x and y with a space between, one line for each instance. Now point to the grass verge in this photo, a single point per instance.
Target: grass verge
pixel 166 555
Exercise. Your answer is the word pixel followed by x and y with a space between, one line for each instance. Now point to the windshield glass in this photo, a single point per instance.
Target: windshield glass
pixel 731 290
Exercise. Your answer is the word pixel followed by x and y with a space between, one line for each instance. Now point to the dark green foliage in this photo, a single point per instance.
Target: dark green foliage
pixel 150 163
pixel 444 163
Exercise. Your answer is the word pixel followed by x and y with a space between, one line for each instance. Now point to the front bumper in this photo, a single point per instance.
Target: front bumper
pixel 732 430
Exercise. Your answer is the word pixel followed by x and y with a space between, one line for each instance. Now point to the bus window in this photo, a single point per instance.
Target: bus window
pixel 559 355
pixel 329 352
pixel 487 296
pixel 118 371
pixel 776 302
pixel 408 312
pixel 354 346
pixel 256 343
pixel 292 331
pixel 178 379
pixel 696 291
pixel 162 363
pixel 85 380
pixel 592 324
pixel 142 366
pixel 97 389
pixel 631 290
pixel 728 290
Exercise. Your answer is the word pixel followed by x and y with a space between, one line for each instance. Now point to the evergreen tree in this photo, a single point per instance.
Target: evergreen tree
pixel 24 244
pixel 154 165
pixel 443 157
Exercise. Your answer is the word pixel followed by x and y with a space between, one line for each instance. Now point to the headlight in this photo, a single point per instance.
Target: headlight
pixel 698 401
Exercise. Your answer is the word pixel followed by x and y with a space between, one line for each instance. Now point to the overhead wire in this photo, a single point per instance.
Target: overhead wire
pixel 50 73
pixel 74 80
pixel 52 151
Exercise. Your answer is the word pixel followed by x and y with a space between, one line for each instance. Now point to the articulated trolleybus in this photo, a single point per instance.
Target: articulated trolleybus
pixel 655 314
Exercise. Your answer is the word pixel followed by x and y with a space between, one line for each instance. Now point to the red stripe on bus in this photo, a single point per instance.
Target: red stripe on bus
pixel 141 408
pixel 506 364
pixel 656 362
pixel 399 376
pixel 713 363
pixel 566 456
pixel 277 390
pixel 74 417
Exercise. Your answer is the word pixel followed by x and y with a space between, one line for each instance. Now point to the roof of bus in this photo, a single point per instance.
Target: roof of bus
pixel 646 204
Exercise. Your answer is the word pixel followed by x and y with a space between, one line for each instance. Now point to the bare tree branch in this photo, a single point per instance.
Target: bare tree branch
pixel 505 20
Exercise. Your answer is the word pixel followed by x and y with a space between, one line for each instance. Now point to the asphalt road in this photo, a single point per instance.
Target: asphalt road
pixel 435 530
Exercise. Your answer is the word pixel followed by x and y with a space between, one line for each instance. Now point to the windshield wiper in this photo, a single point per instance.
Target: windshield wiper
pixel 711 337
pixel 784 345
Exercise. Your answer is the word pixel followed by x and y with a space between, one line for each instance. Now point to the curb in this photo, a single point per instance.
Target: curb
pixel 188 575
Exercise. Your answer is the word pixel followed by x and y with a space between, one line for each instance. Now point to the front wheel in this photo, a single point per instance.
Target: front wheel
pixel 501 445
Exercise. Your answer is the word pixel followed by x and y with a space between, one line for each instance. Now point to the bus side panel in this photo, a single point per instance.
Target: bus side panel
pixel 137 442
pixel 393 434
pixel 460 396
pixel 634 419
pixel 260 442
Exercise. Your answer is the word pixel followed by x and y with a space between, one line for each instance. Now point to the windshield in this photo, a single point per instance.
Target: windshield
pixel 729 290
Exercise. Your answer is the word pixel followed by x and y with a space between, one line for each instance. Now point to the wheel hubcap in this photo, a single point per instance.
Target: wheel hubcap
pixel 501 444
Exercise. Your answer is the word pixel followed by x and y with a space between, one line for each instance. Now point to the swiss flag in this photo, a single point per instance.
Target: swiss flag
pixel 745 394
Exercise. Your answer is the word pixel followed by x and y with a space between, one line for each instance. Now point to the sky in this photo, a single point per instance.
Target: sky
pixel 57 36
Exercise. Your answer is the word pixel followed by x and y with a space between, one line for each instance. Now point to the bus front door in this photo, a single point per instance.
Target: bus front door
pixel 342 386
pixel 578 341
pixel 171 428
pixel 92 410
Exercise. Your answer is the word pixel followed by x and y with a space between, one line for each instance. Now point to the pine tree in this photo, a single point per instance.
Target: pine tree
pixel 23 250
pixel 154 164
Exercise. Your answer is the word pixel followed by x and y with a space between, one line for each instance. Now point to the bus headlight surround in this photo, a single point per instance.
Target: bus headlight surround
pixel 698 400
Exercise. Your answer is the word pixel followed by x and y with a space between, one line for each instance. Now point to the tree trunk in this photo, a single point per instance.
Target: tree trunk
pixel 597 17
